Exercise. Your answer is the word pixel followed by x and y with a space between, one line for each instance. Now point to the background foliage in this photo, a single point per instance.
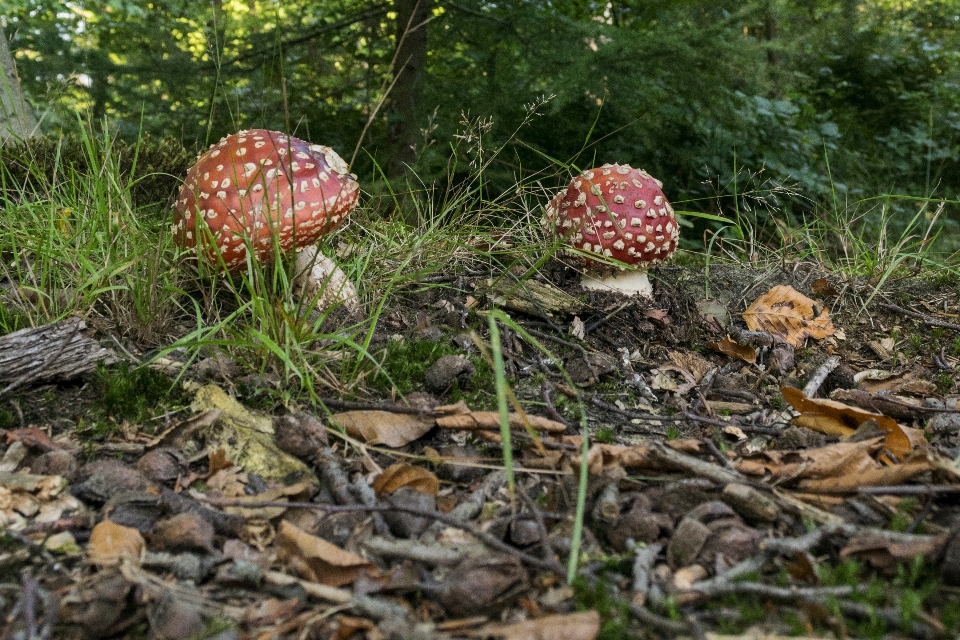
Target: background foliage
pixel 792 103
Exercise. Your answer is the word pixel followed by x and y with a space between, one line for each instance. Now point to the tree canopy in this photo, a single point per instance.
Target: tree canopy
pixel 840 97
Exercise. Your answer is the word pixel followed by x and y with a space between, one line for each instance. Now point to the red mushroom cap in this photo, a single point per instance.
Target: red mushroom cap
pixel 618 212
pixel 257 184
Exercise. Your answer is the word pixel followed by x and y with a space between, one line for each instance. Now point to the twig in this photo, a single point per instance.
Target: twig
pixel 590 327
pixel 927 320
pixel 661 624
pixel 548 554
pixel 716 453
pixel 912 490
pixel 477 533
pixel 545 389
pixel 831 363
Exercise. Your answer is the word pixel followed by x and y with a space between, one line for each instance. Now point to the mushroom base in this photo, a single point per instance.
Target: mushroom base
pixel 318 277
pixel 626 282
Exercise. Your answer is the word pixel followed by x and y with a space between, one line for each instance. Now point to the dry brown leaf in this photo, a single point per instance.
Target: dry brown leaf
pixel 382 427
pixel 836 418
pixel 302 490
pixel 110 543
pixel 832 461
pixel 884 553
pixel 822 287
pixel 732 348
pixel 316 559
pixel 406 475
pixel 880 476
pixel 584 625
pixel 695 364
pixel 785 312
pixel 490 420
pixel 216 461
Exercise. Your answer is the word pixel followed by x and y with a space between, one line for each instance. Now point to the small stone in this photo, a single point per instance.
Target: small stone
pixel 184 532
pixel 54 463
pixel 686 543
pixel 447 370
pixel 163 465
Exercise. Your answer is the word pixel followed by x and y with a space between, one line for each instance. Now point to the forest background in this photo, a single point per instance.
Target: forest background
pixel 791 108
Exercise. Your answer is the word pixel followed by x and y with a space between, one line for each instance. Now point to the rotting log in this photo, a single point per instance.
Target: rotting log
pixel 58 351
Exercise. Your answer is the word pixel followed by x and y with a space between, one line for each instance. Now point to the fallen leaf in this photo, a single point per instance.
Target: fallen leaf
pixel 785 312
pixel 110 543
pixel 482 420
pixel 822 287
pixel 584 625
pixel 714 310
pixel 659 315
pixel 217 460
pixel 382 427
pixel 836 418
pixel 577 328
pixel 732 348
pixel 885 553
pixel 689 361
pixel 406 475
pixel 316 559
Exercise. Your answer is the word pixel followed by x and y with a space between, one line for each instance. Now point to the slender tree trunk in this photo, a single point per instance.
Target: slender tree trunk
pixel 16 116
pixel 409 76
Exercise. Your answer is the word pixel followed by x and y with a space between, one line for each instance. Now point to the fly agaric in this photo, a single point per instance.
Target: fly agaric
pixel 256 186
pixel 620 213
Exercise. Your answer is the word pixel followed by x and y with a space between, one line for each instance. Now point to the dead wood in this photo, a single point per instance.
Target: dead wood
pixel 53 352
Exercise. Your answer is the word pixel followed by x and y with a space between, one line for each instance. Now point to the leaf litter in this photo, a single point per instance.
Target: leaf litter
pixel 717 453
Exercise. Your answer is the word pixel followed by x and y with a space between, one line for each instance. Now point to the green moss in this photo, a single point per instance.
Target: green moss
pixel 673 432
pixel 605 435
pixel 405 363
pixel 134 395
pixel 600 597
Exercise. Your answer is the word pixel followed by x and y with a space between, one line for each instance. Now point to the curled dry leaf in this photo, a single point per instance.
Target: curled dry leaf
pixel 729 346
pixel 316 559
pixel 822 287
pixel 406 475
pixel 382 427
pixel 785 312
pixel 490 420
pixel 836 418
pixel 110 543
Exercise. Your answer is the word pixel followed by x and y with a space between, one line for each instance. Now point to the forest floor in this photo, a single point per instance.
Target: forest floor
pixel 716 504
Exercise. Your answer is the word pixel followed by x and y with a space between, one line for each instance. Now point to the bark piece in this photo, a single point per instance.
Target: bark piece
pixel 39 354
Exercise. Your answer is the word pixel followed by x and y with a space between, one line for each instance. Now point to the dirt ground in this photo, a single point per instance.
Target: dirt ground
pixel 716 501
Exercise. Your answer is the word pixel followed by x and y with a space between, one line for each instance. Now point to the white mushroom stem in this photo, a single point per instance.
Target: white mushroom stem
pixel 319 278
pixel 629 282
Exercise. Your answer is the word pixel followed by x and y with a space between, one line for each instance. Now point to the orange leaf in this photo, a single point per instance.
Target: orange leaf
pixel 318 560
pixel 406 475
pixel 730 347
pixel 816 412
pixel 786 312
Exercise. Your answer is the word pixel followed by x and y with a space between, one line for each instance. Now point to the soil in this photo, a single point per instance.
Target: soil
pixel 679 537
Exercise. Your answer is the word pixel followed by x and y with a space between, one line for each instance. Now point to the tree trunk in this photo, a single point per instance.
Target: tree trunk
pixel 17 121
pixel 407 92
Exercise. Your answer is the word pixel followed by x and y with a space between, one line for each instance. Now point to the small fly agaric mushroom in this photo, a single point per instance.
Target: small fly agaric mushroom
pixel 257 187
pixel 617 212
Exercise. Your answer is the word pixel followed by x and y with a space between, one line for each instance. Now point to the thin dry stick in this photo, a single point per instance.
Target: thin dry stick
pixel 483 536
pixel 383 98
pixel 820 375
pixel 927 320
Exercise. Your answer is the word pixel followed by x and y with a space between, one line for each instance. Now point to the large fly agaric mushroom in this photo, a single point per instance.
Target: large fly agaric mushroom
pixel 258 187
pixel 620 213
